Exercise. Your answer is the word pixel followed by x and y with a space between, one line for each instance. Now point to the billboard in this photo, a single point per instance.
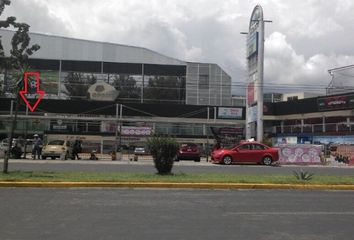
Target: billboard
pixel 300 154
pixel 335 102
pixel 229 113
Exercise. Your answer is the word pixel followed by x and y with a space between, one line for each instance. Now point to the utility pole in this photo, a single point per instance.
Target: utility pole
pixel 116 138
pixel 120 126
pixel 13 126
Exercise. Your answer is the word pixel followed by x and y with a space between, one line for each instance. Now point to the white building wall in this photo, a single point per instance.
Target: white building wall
pixel 299 95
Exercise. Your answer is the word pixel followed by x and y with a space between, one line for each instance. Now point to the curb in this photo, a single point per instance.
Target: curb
pixel 173 185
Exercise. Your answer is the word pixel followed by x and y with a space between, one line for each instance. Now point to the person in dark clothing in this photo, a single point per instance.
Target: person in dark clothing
pixel 77 149
pixel 93 155
pixel 37 147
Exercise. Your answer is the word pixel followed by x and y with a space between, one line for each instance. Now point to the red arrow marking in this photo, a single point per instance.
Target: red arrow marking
pixel 38 91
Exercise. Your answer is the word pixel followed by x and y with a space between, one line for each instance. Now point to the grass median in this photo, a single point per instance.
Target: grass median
pixel 37 176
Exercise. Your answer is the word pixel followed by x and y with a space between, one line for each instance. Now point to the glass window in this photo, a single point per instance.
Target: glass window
pixel 127 85
pixel 258 147
pixel 168 89
pixel 292 98
pixel 75 85
pixel 245 147
pixel 81 66
pixel 165 70
pixel 56 142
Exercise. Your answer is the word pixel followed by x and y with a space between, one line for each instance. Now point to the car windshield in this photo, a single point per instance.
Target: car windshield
pixel 56 142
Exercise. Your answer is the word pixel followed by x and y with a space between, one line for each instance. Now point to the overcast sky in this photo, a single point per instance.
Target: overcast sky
pixel 306 38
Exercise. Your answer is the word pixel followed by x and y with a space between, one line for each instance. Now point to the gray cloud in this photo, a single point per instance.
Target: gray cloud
pixel 38 15
pixel 305 39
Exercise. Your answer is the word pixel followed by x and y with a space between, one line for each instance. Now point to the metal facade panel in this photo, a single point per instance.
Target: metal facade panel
pixel 218 92
pixel 54 47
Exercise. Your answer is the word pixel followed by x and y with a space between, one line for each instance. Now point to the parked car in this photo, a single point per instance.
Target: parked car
pixel 57 149
pixel 18 146
pixel 140 151
pixel 246 152
pixel 188 151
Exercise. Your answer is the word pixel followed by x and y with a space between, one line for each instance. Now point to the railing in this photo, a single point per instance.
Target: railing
pixel 315 128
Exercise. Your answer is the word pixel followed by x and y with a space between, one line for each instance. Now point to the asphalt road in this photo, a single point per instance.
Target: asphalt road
pixel 182 166
pixel 34 213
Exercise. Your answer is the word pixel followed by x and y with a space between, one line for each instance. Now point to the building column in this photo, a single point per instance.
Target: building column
pixel 142 84
pixel 59 81
pixel 282 126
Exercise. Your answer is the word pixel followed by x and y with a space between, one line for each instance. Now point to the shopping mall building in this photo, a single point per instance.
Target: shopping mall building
pixel 94 88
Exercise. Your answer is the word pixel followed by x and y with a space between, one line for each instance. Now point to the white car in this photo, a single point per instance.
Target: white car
pixel 57 149
pixel 140 151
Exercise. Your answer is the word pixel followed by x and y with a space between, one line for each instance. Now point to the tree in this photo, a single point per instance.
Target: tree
pixel 165 89
pixel 126 86
pixel 77 84
pixel 5 24
pixel 18 61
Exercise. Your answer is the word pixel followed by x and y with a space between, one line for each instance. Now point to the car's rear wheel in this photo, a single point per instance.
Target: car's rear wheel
pixel 267 160
pixel 227 160
pixel 44 158
pixel 53 158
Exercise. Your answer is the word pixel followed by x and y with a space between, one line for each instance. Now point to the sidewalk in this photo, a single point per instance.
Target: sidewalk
pixel 168 185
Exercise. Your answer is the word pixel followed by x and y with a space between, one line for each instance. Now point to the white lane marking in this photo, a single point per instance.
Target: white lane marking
pixel 290 213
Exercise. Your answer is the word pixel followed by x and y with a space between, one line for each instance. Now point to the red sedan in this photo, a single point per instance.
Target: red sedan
pixel 246 152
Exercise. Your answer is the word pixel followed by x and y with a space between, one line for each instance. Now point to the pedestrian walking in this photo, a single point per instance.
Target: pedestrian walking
pixel 77 149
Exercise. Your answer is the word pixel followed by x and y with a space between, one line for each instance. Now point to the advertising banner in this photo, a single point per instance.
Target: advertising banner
pixel 49 82
pixel 335 102
pixel 250 94
pixel 345 139
pixel 230 113
pixel 252 44
pixel 300 154
pixel 252 114
pixel 286 140
pixel 110 127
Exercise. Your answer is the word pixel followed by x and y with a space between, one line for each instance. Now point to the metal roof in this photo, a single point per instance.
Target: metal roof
pixel 64 48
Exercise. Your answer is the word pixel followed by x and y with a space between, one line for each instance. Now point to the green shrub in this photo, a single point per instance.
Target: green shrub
pixel 303 175
pixel 163 151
